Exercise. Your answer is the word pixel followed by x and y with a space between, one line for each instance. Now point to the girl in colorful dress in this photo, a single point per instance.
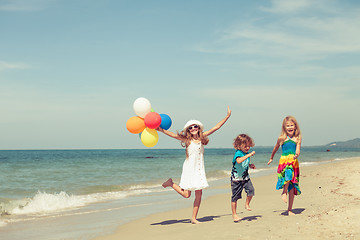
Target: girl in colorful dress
pixel 193 177
pixel 288 169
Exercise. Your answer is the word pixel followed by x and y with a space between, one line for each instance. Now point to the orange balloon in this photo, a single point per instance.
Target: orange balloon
pixel 135 125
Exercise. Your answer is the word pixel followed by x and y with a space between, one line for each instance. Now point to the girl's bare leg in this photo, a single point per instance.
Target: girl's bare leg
pixel 197 201
pixel 168 183
pixel 285 192
pixel 247 203
pixel 291 201
pixel 233 209
pixel 177 188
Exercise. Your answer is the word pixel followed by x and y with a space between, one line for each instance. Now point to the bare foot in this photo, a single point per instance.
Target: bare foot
pixel 290 213
pixel 195 221
pixel 168 183
pixel 248 208
pixel 284 197
pixel 236 218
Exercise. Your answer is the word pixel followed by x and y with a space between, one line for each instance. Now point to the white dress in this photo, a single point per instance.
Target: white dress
pixel 193 175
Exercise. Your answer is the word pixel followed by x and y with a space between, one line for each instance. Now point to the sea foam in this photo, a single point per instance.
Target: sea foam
pixel 2 223
pixel 45 203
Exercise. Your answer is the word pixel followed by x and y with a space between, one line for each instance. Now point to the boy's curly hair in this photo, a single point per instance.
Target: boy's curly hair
pixel 243 140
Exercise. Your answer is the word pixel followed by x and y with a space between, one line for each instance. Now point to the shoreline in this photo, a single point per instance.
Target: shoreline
pixel 327 208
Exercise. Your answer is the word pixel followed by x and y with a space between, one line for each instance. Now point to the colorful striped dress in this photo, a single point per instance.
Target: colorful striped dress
pixel 288 169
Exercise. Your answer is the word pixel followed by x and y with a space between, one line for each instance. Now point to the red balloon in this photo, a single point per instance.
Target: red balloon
pixel 152 120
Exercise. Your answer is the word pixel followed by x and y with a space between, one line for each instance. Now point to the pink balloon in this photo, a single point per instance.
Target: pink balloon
pixel 152 120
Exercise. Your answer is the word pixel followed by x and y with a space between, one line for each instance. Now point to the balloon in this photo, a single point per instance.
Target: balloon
pixel 141 107
pixel 135 125
pixel 165 121
pixel 149 137
pixel 152 120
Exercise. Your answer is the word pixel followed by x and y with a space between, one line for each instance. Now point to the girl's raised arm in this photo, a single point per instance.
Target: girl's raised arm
pixel 219 125
pixel 169 133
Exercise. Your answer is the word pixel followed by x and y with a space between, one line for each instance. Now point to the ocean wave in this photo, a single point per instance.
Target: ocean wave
pixel 143 186
pixel 221 174
pixel 217 175
pixel 2 223
pixel 46 203
pixel 342 159
pixel 257 170
pixel 308 163
pixel 323 161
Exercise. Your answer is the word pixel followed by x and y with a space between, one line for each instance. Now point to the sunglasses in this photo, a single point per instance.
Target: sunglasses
pixel 195 127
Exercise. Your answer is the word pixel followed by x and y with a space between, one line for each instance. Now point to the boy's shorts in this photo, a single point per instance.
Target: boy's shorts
pixel 238 186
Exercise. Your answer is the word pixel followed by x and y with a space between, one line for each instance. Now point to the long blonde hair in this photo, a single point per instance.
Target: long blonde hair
pixel 186 137
pixel 283 134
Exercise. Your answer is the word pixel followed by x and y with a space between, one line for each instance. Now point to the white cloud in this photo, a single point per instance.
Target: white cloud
pixel 292 37
pixel 295 6
pixel 24 5
pixel 7 65
pixel 286 6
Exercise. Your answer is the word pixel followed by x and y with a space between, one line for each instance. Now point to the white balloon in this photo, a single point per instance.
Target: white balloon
pixel 142 106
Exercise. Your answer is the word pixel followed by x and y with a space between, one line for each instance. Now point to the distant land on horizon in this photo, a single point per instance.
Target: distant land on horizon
pixel 354 143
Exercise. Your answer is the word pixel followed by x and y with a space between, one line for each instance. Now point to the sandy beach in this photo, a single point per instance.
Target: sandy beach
pixel 328 208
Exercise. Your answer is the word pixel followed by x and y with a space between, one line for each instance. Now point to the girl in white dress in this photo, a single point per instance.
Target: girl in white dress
pixel 193 177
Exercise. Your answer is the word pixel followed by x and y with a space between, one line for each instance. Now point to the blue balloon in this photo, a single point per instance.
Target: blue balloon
pixel 165 121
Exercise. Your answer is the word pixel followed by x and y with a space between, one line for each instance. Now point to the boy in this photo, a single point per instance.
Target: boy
pixel 239 174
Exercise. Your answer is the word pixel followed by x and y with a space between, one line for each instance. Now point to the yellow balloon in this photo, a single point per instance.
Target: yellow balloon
pixel 149 137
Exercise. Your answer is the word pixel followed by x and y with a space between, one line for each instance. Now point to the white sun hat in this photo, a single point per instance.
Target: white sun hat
pixel 193 122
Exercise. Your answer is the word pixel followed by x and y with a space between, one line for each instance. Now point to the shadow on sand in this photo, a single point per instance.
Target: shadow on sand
pixel 250 218
pixel 203 219
pixel 295 210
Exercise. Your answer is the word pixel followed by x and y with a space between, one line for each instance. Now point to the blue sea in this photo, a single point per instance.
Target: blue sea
pixel 81 194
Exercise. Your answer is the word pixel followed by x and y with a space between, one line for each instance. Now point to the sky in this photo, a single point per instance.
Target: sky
pixel 70 70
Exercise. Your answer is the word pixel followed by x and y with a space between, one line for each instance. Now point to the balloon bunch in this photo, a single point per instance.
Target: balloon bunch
pixel 146 121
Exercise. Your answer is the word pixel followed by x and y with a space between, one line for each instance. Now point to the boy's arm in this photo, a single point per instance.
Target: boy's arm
pixel 241 159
